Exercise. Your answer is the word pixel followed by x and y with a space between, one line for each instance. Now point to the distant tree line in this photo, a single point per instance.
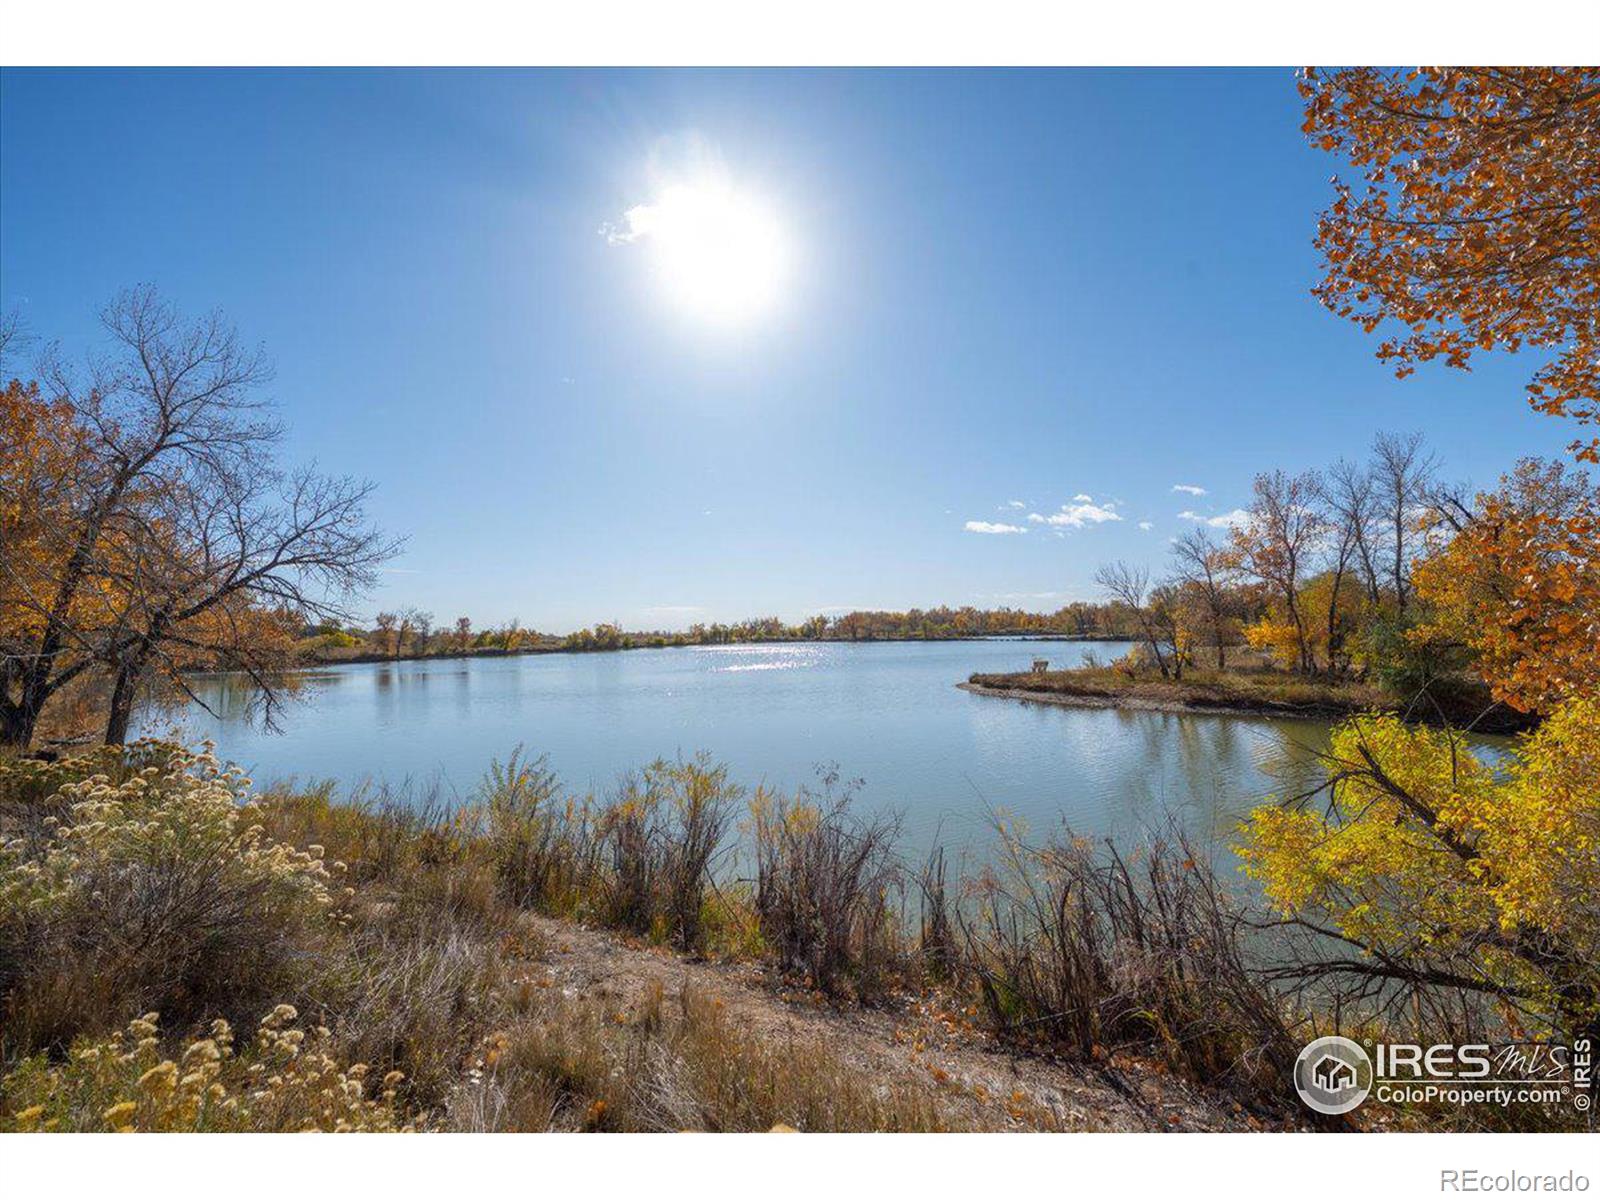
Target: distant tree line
pixel 410 632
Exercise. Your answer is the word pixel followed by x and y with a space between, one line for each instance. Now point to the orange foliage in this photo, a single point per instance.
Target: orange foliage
pixel 37 450
pixel 1520 586
pixel 1479 225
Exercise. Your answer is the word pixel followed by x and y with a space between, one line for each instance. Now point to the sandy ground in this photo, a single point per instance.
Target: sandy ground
pixel 913 1043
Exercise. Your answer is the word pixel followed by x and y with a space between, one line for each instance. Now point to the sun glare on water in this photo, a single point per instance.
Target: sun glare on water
pixel 718 254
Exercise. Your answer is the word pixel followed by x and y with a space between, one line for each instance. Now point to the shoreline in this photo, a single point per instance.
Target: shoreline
pixel 1323 712
pixel 1505 724
pixel 313 660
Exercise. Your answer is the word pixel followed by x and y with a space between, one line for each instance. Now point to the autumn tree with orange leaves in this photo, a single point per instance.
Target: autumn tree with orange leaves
pixel 145 526
pixel 1476 223
pixel 1519 585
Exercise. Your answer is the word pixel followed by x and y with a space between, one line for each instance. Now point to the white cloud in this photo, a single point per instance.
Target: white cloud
pixel 1228 520
pixel 1146 526
pixel 1016 504
pixel 1077 515
pixel 1192 488
pixel 1083 498
pixel 993 527
pixel 639 221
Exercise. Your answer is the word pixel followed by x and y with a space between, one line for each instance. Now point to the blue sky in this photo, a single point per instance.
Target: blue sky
pixel 999 287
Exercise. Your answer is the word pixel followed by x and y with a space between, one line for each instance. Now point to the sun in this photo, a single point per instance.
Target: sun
pixel 719 254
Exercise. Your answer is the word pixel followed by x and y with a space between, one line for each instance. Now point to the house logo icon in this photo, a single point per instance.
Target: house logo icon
pixel 1333 1075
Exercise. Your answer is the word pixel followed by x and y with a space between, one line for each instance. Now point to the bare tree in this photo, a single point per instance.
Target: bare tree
pixel 12 334
pixel 1346 495
pixel 261 554
pixel 1205 568
pixel 1353 507
pixel 182 540
pixel 1276 544
pixel 1130 586
pixel 1402 474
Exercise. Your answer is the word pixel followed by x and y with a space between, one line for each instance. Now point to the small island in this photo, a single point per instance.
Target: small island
pixel 1250 690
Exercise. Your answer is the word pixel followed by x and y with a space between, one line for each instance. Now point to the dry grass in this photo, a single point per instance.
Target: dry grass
pixel 671 1063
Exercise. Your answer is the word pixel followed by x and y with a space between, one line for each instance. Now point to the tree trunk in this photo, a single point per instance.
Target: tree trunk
pixel 1399 560
pixel 1307 662
pixel 20 721
pixel 1335 642
pixel 121 712
pixel 16 726
pixel 1155 647
pixel 130 669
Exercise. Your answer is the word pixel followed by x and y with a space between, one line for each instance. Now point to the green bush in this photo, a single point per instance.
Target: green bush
pixel 1406 666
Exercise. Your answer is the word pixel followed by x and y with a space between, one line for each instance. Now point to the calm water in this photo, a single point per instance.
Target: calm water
pixel 887 714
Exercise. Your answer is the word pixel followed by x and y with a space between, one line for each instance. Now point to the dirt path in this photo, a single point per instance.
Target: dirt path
pixel 912 1044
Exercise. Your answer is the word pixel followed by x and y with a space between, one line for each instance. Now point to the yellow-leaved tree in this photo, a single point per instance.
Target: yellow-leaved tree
pixel 1430 873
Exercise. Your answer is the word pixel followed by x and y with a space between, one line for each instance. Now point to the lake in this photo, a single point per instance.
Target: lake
pixel 885 713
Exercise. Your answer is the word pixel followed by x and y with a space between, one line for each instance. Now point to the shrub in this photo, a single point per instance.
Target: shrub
pixel 643 861
pixel 662 837
pixel 287 1081
pixel 375 834
pixel 1443 885
pixel 147 884
pixel 826 882
pixel 936 939
pixel 700 803
pixel 544 849
pixel 1082 950
pixel 1415 670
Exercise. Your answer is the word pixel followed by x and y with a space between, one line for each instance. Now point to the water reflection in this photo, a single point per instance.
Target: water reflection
pixel 887 713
